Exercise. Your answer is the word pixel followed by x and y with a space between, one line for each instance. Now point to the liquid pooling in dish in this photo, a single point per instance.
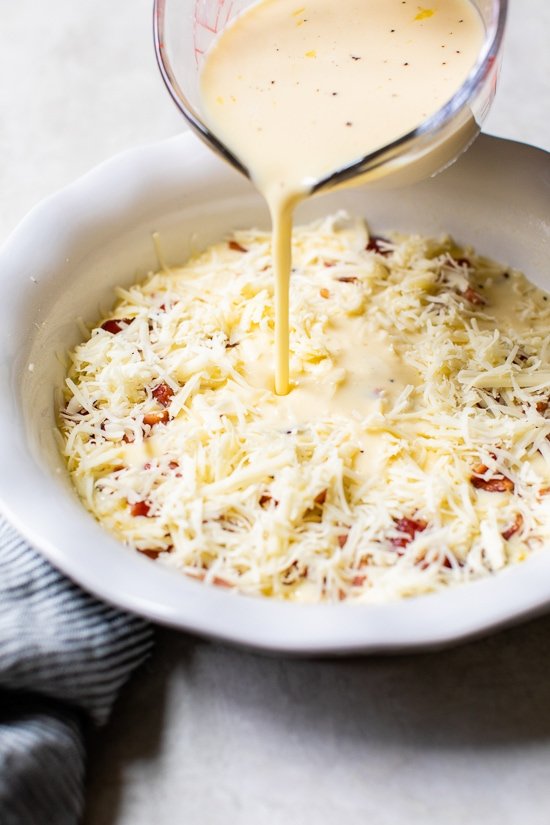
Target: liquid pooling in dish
pixel 412 452
pixel 298 91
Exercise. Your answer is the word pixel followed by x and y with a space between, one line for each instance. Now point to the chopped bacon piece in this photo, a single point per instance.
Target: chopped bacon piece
pixel 348 279
pixel 236 247
pixel 450 562
pixel 376 244
pixel 196 574
pixel 542 406
pixel 544 491
pixel 342 540
pixel 150 552
pixel 409 527
pixel 219 582
pixel 359 580
pixel 320 498
pixel 479 469
pixel 156 418
pixel 140 508
pixel 163 393
pixel 514 528
pixel 446 563
pixel 474 297
pixel 421 561
pixel 499 483
pixel 496 484
pixel 116 325
pixel 166 305
pixel 324 293
pixel 128 438
pixel 173 465
pixel 266 499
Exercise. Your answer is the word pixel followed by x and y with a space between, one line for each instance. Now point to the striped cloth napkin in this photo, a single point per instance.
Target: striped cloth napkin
pixel 63 658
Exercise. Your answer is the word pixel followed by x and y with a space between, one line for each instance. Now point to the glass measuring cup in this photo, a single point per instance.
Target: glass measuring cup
pixel 184 30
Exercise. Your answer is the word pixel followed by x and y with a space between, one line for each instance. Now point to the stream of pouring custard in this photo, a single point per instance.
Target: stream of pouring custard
pixel 297 91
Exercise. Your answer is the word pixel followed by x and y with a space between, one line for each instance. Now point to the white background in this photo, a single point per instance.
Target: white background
pixel 204 734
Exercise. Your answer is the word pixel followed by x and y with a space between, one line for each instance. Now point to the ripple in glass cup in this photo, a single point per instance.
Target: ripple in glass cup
pixel 185 29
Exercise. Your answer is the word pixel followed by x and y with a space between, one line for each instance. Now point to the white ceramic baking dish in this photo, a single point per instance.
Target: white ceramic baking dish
pixel 61 264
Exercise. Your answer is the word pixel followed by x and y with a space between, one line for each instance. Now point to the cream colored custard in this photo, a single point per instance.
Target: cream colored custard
pixel 299 90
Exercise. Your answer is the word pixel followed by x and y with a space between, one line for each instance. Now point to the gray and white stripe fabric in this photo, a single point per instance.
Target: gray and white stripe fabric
pixel 63 658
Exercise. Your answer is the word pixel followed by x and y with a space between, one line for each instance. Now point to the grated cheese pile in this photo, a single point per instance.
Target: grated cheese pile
pixel 433 469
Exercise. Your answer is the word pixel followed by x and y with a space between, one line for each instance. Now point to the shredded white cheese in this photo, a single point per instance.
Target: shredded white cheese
pixel 431 469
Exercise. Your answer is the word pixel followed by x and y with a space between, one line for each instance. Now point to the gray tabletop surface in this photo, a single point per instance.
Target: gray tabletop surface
pixel 206 734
